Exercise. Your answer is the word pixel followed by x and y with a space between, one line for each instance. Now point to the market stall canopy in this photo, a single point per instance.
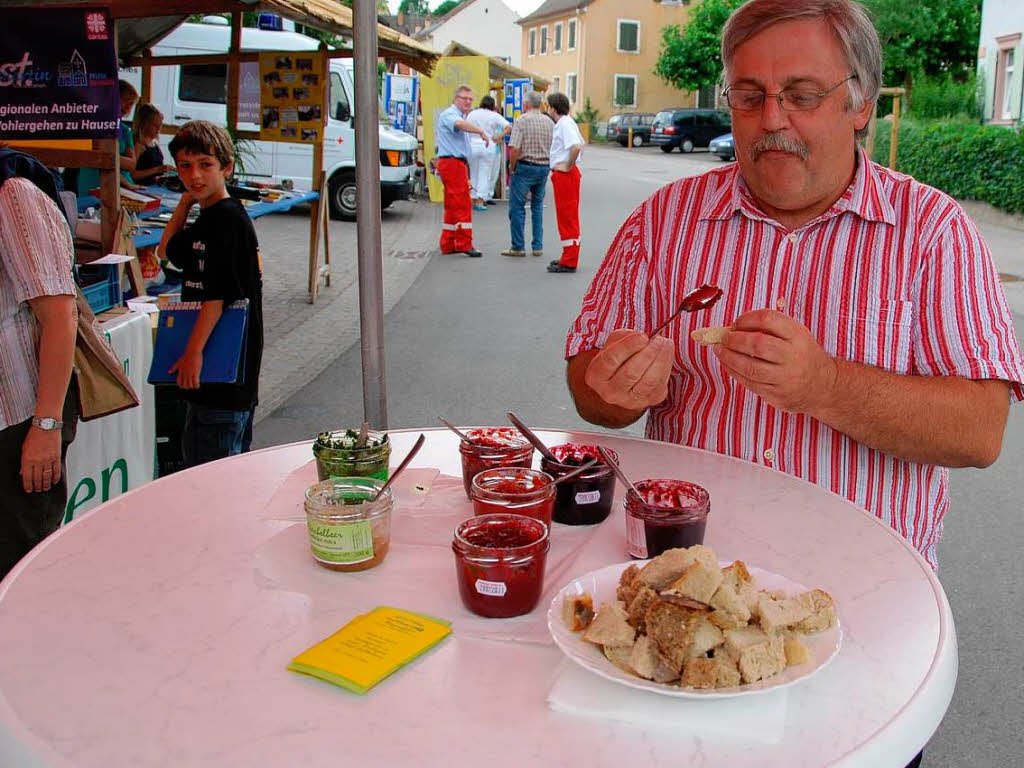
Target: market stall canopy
pixel 143 23
pixel 499 68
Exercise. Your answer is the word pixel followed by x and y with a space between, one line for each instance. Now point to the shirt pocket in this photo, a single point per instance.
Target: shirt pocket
pixel 878 334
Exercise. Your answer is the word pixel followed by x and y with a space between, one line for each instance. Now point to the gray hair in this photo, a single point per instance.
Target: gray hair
pixel 461 89
pixel 848 21
pixel 533 99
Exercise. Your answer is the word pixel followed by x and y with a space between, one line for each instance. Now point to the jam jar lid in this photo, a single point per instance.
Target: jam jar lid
pixel 345 440
pixel 507 438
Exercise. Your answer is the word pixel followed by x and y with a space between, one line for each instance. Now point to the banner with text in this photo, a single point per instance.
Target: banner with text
pixel 58 74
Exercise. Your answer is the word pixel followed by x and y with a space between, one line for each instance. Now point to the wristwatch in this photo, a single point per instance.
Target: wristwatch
pixel 46 423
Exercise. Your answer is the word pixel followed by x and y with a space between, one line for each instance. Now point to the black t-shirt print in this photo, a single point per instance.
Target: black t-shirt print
pixel 220 260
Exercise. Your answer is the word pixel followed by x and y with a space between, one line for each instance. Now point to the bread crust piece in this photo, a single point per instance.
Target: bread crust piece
pixel 715 672
pixel 578 611
pixel 645 598
pixel 628 585
pixel 672 628
pixel 736 640
pixel 762 660
pixel 698 582
pixel 780 614
pixel 644 658
pixel 672 563
pixel 796 650
pixel 610 627
pixel 705 636
pixel 736 574
pixel 823 613
pixel 619 656
pixel 730 612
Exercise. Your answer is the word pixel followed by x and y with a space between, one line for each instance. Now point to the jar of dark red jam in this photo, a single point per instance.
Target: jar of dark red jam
pixel 515 490
pixel 587 499
pixel 668 514
pixel 499 563
pixel 493 447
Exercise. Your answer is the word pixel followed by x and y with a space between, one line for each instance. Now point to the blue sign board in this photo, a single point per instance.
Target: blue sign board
pixel 401 99
pixel 515 92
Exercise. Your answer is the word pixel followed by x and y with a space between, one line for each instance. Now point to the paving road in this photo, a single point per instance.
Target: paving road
pixel 471 339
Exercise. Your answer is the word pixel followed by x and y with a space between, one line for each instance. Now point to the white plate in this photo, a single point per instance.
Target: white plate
pixel 602 583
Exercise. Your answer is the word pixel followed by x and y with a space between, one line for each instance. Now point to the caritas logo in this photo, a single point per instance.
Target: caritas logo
pixel 96 26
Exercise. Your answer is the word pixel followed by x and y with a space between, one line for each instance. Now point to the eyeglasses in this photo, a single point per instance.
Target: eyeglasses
pixel 790 99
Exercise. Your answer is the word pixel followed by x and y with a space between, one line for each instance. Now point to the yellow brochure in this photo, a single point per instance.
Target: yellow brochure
pixel 371 647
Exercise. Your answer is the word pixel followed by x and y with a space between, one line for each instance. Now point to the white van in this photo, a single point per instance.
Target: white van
pixel 198 92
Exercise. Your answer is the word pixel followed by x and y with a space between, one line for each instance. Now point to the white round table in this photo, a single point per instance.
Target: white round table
pixel 156 631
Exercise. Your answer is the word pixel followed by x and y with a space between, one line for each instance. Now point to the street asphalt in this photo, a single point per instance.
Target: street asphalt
pixel 470 339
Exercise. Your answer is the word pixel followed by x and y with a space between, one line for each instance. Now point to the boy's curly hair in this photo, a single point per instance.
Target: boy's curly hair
pixel 204 138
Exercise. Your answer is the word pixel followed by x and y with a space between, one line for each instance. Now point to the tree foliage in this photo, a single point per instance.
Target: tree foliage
pixel 413 6
pixel 446 6
pixel 941 38
pixel 689 57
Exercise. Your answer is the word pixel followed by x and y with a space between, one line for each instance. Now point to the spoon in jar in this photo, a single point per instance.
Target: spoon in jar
pixel 618 472
pixel 405 462
pixel 696 300
pixel 364 433
pixel 534 440
pixel 455 429
pixel 579 470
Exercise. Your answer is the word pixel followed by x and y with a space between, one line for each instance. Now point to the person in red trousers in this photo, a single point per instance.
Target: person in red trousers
pixel 566 146
pixel 453 153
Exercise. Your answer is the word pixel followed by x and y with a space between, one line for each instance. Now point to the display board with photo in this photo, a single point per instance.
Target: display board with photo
pixel 291 96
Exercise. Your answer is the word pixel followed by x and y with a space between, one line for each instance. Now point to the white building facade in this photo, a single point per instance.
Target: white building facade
pixel 488 26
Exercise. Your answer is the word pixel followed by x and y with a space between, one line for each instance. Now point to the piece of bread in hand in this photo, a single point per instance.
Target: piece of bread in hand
pixel 698 582
pixel 578 611
pixel 610 627
pixel 710 335
pixel 823 613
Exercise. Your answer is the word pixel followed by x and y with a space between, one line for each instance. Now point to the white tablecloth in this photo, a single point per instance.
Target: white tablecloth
pixel 116 453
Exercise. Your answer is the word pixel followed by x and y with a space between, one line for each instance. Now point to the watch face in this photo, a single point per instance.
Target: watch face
pixel 46 423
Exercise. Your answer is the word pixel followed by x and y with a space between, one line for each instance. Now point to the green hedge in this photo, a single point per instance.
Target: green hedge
pixel 960 157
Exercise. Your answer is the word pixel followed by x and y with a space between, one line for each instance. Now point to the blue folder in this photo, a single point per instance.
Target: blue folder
pixel 224 356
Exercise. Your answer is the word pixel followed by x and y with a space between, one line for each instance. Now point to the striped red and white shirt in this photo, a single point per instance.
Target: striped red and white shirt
pixel 36 255
pixel 893 275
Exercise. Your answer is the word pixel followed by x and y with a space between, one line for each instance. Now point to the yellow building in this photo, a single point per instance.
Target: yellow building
pixel 604 50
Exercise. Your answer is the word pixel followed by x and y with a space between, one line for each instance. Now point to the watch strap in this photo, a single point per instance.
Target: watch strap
pixel 46 423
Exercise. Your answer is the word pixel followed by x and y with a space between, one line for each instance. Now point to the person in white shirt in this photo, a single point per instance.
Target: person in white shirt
pixel 484 162
pixel 566 147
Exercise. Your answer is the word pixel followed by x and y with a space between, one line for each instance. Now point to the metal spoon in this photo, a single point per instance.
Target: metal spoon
pixel 534 440
pixel 696 300
pixel 455 429
pixel 580 469
pixel 405 461
pixel 618 472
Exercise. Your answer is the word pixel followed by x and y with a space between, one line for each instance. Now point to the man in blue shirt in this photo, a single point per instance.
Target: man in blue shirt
pixel 453 152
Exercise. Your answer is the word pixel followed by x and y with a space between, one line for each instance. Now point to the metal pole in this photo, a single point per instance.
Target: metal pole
pixel 368 247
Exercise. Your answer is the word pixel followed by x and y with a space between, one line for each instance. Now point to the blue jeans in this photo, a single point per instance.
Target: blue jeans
pixel 527 178
pixel 212 433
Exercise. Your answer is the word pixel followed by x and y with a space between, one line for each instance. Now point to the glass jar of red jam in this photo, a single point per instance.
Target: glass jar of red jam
pixel 493 447
pixel 516 490
pixel 587 499
pixel 499 563
pixel 668 514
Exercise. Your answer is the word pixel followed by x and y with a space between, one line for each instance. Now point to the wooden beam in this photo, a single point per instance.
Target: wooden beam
pixel 199 58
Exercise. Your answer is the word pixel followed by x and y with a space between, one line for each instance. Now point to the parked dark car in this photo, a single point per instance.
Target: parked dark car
pixel 619 125
pixel 688 128
pixel 723 147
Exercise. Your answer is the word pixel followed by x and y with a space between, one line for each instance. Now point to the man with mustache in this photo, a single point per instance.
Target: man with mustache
pixel 870 345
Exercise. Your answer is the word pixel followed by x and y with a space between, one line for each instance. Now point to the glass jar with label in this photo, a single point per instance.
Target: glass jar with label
pixel 587 499
pixel 514 490
pixel 338 455
pixel 668 514
pixel 492 447
pixel 499 563
pixel 348 529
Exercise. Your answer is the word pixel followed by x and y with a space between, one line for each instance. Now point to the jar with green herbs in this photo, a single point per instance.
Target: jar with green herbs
pixel 339 454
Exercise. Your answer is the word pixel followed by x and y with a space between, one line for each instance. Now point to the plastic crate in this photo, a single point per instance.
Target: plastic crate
pixel 100 286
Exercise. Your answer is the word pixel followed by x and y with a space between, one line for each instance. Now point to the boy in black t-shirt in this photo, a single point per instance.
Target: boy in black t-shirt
pixel 220 259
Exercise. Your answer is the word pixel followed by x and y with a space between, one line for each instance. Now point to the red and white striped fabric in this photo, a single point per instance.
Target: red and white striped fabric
pixel 36 254
pixel 894 275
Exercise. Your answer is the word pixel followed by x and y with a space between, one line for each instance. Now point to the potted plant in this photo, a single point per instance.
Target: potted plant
pixel 587 119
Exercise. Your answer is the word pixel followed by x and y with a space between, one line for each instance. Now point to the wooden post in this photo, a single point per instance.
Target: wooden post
pixel 872 131
pixel 233 70
pixel 147 77
pixel 894 138
pixel 325 221
pixel 318 170
pixel 110 183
